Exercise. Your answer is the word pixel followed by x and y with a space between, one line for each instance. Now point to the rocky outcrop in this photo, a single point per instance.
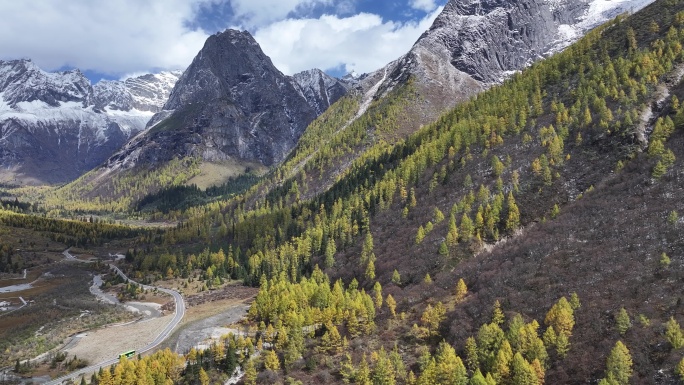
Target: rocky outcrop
pixel 474 44
pixel 320 89
pixel 56 126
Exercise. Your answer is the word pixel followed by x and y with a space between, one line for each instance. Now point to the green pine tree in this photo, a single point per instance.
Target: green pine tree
pixel 619 365
pixel 622 321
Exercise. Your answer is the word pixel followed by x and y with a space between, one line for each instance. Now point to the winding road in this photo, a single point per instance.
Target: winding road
pixel 178 316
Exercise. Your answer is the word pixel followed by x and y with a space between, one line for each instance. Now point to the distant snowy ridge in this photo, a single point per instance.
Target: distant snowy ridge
pixel 60 119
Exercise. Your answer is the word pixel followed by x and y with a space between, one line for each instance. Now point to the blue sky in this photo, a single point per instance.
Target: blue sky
pixel 121 38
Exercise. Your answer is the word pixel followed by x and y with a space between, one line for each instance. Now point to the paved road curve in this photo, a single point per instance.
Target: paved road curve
pixel 177 317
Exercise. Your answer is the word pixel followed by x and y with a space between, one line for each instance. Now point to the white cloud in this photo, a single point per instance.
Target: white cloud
pixel 362 43
pixel 123 37
pixel 423 5
pixel 113 37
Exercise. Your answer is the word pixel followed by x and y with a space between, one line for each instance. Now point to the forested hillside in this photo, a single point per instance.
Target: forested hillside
pixel 530 235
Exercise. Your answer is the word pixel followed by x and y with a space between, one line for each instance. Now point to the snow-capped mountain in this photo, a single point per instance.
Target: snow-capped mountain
pixel 56 126
pixel 320 89
pixel 474 44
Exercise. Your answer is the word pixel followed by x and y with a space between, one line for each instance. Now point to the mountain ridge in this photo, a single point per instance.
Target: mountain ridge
pixel 56 126
pixel 232 104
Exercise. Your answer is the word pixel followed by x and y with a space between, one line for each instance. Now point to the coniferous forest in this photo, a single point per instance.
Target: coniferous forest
pixel 530 235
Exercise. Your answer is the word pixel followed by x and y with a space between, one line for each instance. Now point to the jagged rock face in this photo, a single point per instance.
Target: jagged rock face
pixel 319 89
pixel 489 38
pixel 143 93
pixel 56 126
pixel 231 103
pixel 474 44
pixel 23 81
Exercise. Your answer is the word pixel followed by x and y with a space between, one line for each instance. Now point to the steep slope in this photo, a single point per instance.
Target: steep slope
pixel 470 47
pixel 56 126
pixel 605 242
pixel 474 44
pixel 533 190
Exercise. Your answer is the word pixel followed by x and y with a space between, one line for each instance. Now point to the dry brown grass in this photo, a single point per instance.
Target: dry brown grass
pixel 40 286
pixel 217 173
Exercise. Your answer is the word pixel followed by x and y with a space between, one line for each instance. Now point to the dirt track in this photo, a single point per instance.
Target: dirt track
pixel 102 344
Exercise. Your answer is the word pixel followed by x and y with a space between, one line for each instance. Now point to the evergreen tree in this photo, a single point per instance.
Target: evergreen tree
pixel 664 260
pixel 497 315
pixel 383 372
pixel 501 368
pixel 452 235
pixel 331 341
pixel 513 219
pixel 489 339
pixel 497 166
pixel 538 370
pixel 461 290
pixel 330 251
pixel 561 317
pixel 449 368
pixel 575 301
pixel 443 249
pixel 368 256
pixel 522 372
pixel 622 321
pixel 631 41
pixel 619 365
pixel 370 270
pixel 420 235
pixel 271 361
pixel 438 216
pixel 549 337
pixel 680 369
pixel 472 360
pixel 105 378
pixel 204 377
pixel 673 218
pixel 673 333
pixel 477 379
pixel 432 317
pixel 562 344
pixel 396 277
pixel 377 291
pixel 659 170
pixel 391 305
pixel 467 227
pixel 363 374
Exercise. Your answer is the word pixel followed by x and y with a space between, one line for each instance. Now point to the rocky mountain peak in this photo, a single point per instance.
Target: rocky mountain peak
pixel 228 61
pixel 232 103
pixel 320 89
pixel 474 44
pixel 23 81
